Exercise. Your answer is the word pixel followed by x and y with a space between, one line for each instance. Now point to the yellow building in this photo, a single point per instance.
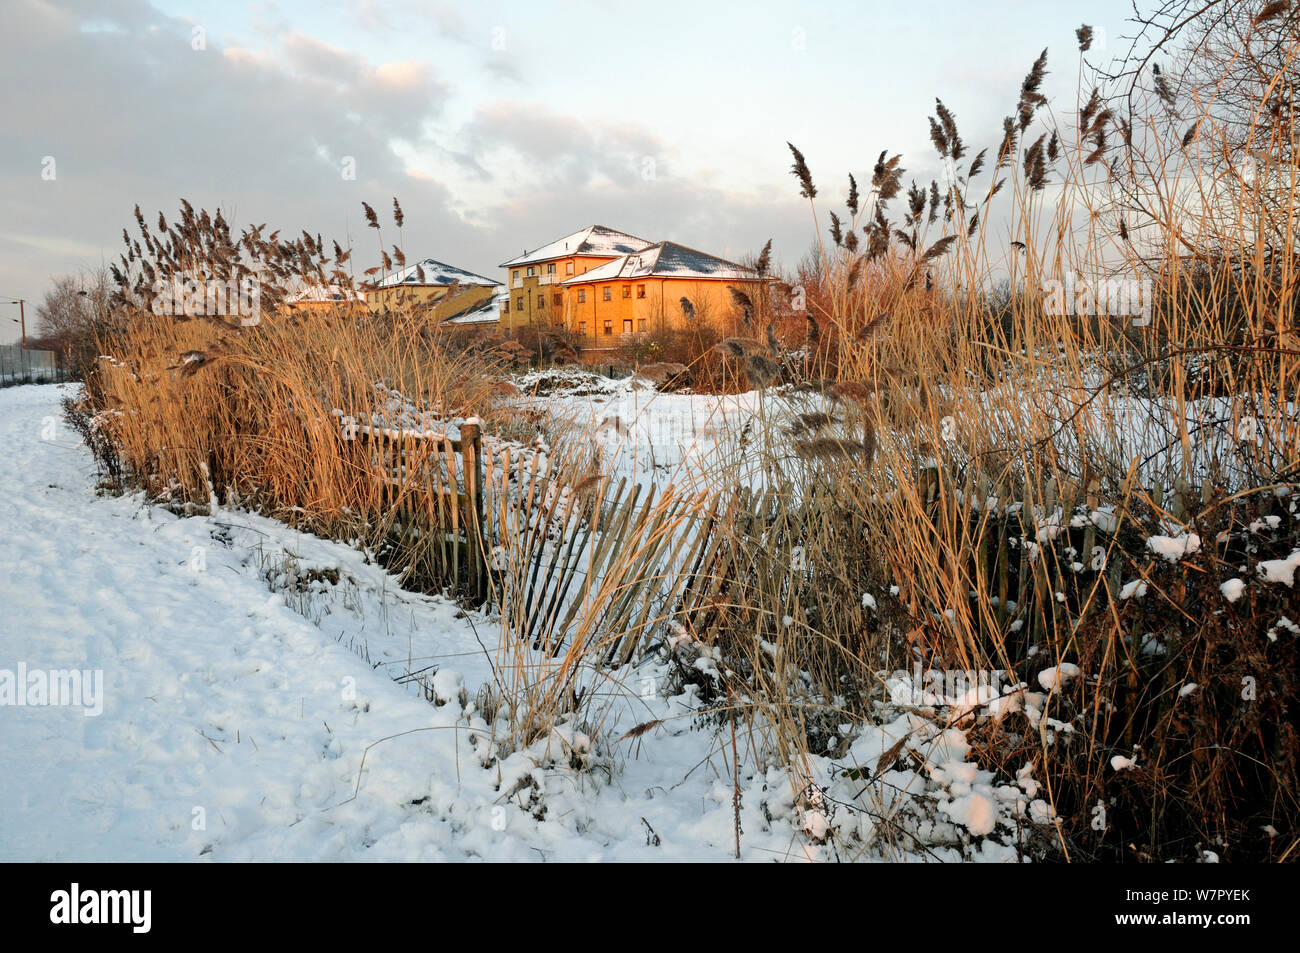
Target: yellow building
pixel 661 287
pixel 443 290
pixel 535 279
pixel 324 299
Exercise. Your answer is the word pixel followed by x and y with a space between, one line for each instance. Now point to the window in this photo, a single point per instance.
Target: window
pixel 627 291
pixel 568 268
pixel 541 301
pixel 531 271
pixel 582 328
pixel 609 326
pixel 582 295
pixel 627 325
pixel 550 269
pixel 505 306
pixel 640 291
pixel 640 324
pixel 608 293
pixel 557 299
pixel 519 304
pixel 516 273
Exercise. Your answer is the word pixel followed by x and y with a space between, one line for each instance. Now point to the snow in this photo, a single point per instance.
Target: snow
pixel 485 312
pixel 1280 570
pixel 1121 763
pixel 269 695
pixel 232 725
pixel 1025 779
pixel 655 438
pixel 666 259
pixel 976 812
pixel 1233 589
pixel 435 273
pixel 1135 589
pixel 1040 812
pixel 1268 523
pixel 594 240
pixel 243 690
pixel 1105 519
pixel 1174 548
pixel 1058 675
pixel 1283 624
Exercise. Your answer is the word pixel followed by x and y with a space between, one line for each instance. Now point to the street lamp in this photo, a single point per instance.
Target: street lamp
pixel 21 319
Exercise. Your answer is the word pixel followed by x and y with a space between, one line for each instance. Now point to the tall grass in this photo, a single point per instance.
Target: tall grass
pixel 1018 460
pixel 946 472
pixel 203 409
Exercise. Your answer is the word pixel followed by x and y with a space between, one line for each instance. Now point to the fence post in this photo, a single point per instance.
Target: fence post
pixel 471 449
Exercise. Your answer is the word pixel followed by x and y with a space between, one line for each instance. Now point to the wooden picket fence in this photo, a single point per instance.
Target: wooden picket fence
pixel 494 526
pixel 643 562
pixel 431 490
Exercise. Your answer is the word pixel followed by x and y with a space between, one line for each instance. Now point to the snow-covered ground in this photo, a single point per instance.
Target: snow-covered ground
pixel 251 692
pixel 242 686
pixel 656 438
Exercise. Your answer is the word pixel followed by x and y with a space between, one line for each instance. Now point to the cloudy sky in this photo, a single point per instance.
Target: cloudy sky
pixel 499 124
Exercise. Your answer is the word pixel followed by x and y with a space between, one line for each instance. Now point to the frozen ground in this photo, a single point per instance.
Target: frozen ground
pixel 268 695
pixel 654 437
pixel 242 686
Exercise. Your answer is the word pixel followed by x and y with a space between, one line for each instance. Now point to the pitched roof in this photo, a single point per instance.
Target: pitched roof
pixel 485 312
pixel 666 260
pixel 435 273
pixel 592 240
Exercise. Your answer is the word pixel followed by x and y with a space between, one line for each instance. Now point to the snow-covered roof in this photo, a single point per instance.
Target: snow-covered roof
pixel 487 311
pixel 323 293
pixel 433 272
pixel 666 260
pixel 596 240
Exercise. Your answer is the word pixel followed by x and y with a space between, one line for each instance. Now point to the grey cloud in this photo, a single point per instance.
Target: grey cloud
pixel 563 151
pixel 132 114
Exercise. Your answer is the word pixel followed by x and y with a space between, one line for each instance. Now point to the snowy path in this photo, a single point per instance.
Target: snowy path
pixel 233 726
pixel 223 708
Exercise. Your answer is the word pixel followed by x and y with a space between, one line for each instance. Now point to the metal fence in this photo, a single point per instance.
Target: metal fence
pixel 19 365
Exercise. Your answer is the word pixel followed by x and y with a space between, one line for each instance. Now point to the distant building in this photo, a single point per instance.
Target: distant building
pixel 605 287
pixel 440 289
pixel 643 292
pixel 535 278
pixel 609 288
pixel 483 312
pixel 319 298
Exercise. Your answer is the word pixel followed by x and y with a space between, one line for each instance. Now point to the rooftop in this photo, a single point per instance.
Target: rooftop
pixel 666 260
pixel 487 311
pixel 433 272
pixel 597 240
